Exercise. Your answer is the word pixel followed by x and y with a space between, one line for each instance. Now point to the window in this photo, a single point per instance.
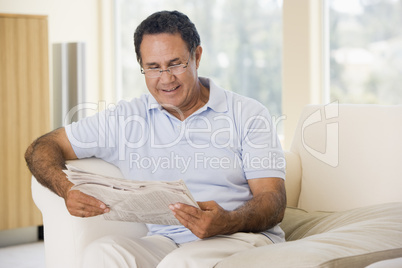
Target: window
pixel 242 45
pixel 365 51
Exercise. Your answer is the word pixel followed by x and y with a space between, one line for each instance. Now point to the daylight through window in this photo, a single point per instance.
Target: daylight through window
pixel 366 51
pixel 242 45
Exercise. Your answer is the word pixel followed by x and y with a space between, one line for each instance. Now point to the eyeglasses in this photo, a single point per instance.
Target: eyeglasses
pixel 172 70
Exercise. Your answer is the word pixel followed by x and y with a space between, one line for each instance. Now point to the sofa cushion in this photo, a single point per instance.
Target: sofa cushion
pixel 353 238
pixel 350 156
pixel 391 263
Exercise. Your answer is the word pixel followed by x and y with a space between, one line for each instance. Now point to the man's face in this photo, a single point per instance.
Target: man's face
pixel 173 92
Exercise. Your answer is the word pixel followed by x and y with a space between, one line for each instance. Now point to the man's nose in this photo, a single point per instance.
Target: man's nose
pixel 166 76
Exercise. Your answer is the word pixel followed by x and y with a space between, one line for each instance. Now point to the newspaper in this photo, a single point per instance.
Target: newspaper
pixel 129 200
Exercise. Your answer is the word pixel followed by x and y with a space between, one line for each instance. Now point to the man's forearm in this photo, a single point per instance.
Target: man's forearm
pixel 262 212
pixel 45 160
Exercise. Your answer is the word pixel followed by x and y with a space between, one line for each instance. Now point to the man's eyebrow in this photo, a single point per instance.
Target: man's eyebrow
pixel 175 59
pixel 155 63
pixel 150 64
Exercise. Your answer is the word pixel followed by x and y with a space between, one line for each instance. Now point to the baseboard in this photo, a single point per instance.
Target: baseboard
pixel 18 236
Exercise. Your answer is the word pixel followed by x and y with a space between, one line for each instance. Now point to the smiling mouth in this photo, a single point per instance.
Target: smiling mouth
pixel 170 90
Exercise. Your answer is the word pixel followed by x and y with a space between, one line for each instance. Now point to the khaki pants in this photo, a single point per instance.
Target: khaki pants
pixel 162 252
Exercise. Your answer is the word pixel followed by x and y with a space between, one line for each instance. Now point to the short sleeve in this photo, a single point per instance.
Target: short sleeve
pixel 262 154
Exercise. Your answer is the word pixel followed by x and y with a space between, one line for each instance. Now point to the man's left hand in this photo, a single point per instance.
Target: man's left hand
pixel 208 221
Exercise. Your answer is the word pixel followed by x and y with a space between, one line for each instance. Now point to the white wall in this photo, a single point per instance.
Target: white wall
pixel 303 60
pixel 87 21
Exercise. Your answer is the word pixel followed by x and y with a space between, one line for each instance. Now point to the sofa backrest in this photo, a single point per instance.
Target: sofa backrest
pixel 350 156
pixel 293 178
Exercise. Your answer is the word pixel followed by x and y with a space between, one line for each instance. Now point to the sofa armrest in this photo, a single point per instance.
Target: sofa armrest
pixel 293 178
pixel 66 236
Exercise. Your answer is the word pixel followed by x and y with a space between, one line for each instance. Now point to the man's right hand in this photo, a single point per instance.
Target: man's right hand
pixel 46 158
pixel 83 205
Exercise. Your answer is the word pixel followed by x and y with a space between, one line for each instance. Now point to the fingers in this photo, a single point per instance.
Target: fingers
pixel 185 209
pixel 190 217
pixel 186 214
pixel 204 222
pixel 82 205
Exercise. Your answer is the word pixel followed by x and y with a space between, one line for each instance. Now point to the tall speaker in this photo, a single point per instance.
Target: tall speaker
pixel 69 85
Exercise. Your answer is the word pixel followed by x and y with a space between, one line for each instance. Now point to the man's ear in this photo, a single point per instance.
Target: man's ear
pixel 198 53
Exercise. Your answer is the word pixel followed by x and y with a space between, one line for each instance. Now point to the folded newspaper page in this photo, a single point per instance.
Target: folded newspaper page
pixel 130 200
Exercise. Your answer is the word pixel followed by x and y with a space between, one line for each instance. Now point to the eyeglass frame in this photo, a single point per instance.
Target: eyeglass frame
pixel 168 69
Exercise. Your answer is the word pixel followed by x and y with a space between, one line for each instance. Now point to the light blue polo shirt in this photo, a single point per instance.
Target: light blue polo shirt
pixel 215 150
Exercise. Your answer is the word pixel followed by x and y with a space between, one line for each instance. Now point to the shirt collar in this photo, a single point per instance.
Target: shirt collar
pixel 153 103
pixel 217 97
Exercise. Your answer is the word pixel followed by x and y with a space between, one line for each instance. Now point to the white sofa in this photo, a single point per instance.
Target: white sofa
pixel 344 189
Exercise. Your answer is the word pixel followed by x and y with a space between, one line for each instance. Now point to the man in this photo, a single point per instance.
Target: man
pixel 223 146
